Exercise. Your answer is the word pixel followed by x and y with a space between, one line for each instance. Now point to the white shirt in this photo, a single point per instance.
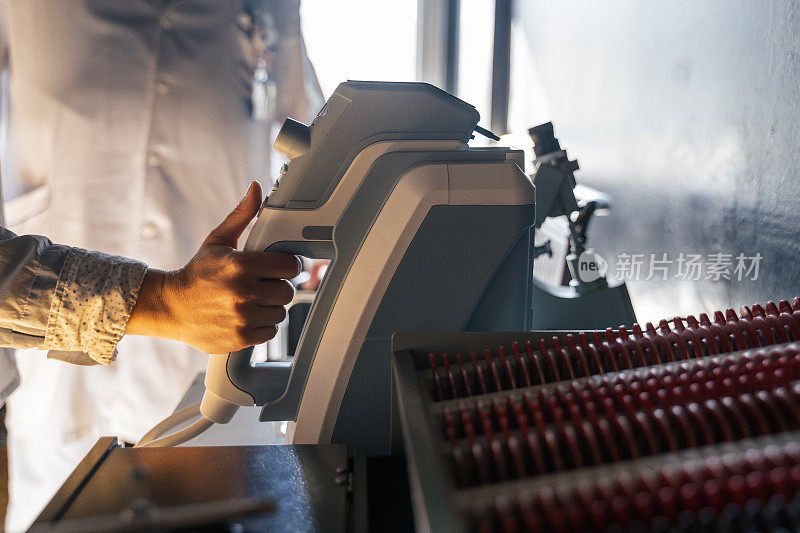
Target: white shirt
pixel 132 134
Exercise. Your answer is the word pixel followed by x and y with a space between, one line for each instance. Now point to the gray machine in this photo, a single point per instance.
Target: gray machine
pixel 588 300
pixel 424 233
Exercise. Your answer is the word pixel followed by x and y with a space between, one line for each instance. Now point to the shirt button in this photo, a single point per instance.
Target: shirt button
pixel 245 21
pixel 153 159
pixel 162 87
pixel 149 230
pixel 166 21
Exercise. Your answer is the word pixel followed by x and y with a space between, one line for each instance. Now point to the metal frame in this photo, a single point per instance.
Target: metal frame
pixel 438 37
pixel 501 66
pixel 76 481
pixel 438 43
pixel 439 504
pixel 432 486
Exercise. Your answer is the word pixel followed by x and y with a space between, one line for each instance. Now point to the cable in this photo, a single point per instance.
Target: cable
pixel 180 436
pixel 170 422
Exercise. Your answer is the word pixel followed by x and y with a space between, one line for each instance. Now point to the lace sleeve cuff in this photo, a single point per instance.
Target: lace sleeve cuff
pixel 93 300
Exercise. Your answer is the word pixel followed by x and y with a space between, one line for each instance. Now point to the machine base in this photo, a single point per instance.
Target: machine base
pixel 563 308
pixel 247 488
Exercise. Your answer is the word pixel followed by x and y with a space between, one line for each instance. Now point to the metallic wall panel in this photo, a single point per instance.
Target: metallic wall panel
pixel 688 114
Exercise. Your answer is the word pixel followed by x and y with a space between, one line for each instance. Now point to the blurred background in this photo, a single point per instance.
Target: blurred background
pixel 685 113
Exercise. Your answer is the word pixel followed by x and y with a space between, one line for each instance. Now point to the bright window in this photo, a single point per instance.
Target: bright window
pixel 360 40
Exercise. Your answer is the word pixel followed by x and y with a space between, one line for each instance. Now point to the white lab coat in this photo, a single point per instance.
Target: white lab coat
pixel 132 133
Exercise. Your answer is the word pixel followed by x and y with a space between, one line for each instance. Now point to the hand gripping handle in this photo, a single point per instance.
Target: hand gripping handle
pixel 232 380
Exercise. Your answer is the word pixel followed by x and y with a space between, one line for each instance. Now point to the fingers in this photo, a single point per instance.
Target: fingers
pixel 261 324
pixel 260 335
pixel 271 265
pixel 265 315
pixel 265 292
pixel 229 231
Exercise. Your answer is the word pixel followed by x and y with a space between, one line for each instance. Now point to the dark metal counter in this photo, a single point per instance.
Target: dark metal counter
pixel 307 485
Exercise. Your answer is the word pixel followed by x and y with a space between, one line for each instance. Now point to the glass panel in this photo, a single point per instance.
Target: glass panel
pixel 475 55
pixel 360 40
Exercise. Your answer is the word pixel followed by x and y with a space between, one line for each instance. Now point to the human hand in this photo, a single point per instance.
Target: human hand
pixel 223 299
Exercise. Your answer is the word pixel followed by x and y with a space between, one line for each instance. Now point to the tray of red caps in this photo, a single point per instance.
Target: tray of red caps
pixel 494 422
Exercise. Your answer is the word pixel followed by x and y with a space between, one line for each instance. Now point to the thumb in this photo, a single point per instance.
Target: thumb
pixel 229 231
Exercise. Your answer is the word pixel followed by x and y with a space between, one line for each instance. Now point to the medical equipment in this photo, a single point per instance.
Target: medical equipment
pixel 424 233
pixel 503 425
pixel 589 300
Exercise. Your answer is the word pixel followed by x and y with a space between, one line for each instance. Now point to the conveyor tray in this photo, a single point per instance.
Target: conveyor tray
pixel 449 498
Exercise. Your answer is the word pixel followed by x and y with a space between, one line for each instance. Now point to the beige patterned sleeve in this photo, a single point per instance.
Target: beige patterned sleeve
pixel 72 302
pixel 93 300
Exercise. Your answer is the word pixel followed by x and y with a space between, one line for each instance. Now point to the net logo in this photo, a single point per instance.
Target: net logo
pixel 591 266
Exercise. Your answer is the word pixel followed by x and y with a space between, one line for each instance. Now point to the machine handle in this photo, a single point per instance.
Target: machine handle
pixel 270 382
pixel 232 381
pixel 262 381
pixel 275 382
